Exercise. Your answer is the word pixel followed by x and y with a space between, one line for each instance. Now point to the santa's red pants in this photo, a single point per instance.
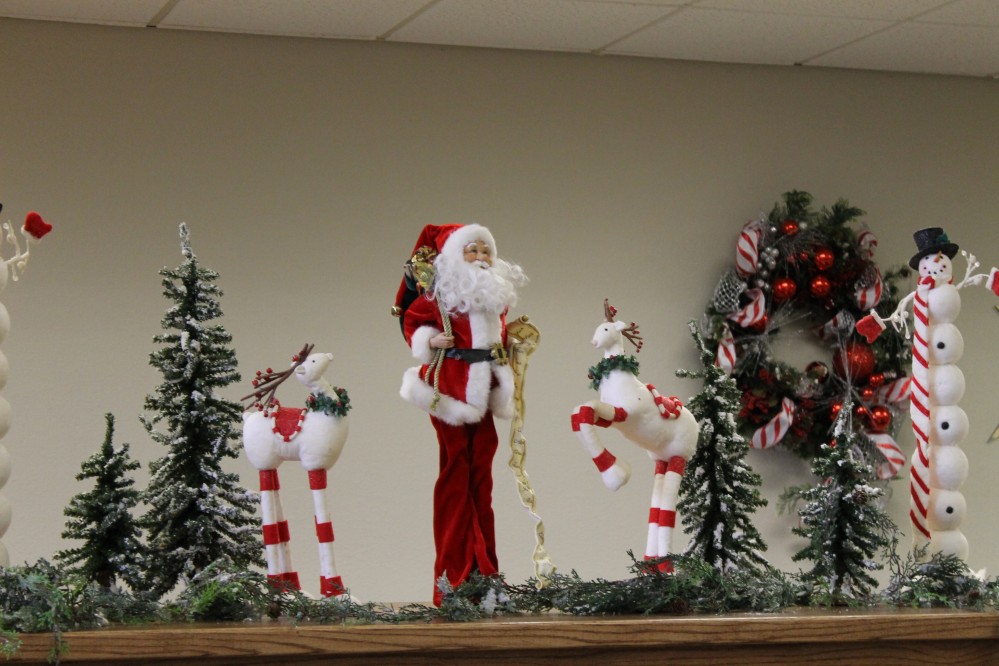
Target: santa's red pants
pixel 464 532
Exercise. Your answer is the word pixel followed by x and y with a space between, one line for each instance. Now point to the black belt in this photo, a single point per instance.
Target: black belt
pixel 470 355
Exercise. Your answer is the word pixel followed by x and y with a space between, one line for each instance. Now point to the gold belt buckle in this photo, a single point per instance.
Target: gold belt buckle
pixel 498 352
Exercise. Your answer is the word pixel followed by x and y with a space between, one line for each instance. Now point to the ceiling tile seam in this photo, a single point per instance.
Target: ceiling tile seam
pixel 164 11
pixel 600 50
pixel 385 36
pixel 908 19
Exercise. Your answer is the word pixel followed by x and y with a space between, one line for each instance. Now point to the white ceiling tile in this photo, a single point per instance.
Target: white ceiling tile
pixel 357 19
pixel 730 36
pixel 562 25
pixel 920 47
pixel 105 12
pixel 966 12
pixel 889 10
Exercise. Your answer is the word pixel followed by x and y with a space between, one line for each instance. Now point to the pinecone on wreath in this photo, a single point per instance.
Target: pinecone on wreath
pixel 726 298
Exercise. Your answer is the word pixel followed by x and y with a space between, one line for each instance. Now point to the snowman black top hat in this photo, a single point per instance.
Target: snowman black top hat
pixel 930 241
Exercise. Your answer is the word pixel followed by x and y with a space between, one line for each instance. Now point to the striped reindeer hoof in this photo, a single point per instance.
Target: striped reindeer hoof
pixel 616 475
pixel 331 587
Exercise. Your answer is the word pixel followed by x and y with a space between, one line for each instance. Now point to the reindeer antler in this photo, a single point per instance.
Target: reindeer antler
pixel 634 337
pixel 266 383
pixel 609 310
pixel 630 331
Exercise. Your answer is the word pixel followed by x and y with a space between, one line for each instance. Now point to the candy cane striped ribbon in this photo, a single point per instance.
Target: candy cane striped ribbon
pixel 774 431
pixel 747 249
pixel 867 297
pixel 919 410
pixel 894 459
pixel 896 391
pixel 753 312
pixel 866 241
pixel 725 357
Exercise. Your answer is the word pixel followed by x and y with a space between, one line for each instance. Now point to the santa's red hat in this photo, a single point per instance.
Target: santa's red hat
pixel 449 239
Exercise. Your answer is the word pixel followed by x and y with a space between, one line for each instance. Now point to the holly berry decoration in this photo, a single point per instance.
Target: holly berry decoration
pixel 789 227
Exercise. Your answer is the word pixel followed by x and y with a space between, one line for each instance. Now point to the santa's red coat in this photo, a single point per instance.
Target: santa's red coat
pixel 467 390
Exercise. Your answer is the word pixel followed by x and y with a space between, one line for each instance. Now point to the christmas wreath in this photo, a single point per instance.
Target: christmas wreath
pixel 797 266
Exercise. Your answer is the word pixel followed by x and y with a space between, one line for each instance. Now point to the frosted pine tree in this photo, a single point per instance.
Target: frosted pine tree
pixel 198 513
pixel 112 547
pixel 719 492
pixel 842 519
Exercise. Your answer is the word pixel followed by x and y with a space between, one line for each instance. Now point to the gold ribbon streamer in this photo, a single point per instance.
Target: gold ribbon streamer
pixel 523 337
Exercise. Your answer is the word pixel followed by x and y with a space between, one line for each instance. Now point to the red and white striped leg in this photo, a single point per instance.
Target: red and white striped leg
pixel 667 506
pixel 276 535
pixel 585 419
pixel 652 543
pixel 330 584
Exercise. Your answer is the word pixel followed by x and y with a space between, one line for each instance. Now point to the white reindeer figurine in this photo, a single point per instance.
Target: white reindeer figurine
pixel 315 436
pixel 662 426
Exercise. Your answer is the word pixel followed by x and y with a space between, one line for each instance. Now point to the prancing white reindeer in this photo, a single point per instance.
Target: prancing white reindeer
pixel 315 436
pixel 660 425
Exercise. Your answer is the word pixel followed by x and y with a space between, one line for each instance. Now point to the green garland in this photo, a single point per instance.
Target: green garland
pixel 327 404
pixel 608 365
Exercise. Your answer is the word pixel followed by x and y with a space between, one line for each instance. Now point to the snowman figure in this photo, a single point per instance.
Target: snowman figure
pixel 939 466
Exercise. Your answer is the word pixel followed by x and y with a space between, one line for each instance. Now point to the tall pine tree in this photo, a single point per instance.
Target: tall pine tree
pixel 842 519
pixel 102 518
pixel 198 512
pixel 719 491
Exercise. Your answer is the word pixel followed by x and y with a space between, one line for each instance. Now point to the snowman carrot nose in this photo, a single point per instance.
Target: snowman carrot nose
pixel 937 259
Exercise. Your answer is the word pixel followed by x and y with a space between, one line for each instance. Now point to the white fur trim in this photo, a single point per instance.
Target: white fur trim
pixel 449 410
pixel 420 341
pixel 459 238
pixel 480 378
pixel 501 397
pixel 485 328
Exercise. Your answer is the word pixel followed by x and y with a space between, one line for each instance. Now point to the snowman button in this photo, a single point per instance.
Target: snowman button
pixel 945 425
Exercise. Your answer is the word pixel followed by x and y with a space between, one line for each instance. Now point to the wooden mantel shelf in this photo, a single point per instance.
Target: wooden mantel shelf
pixel 816 636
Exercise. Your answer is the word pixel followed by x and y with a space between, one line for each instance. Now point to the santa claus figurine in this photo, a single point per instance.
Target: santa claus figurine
pixel 453 303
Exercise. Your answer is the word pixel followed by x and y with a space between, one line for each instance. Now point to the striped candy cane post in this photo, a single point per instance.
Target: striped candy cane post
pixel 774 431
pixel 753 312
pixel 747 249
pixel 919 412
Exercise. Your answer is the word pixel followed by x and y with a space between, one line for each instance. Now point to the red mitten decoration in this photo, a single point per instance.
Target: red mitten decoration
pixel 870 328
pixel 36 226
pixel 993 282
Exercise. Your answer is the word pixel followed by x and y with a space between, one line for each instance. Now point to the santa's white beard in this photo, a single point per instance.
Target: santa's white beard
pixel 464 287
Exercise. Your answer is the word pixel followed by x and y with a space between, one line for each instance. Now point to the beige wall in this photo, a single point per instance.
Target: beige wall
pixel 305 170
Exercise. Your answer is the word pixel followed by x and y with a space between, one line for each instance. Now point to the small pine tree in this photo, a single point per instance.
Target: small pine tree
pixel 102 518
pixel 198 513
pixel 719 491
pixel 844 524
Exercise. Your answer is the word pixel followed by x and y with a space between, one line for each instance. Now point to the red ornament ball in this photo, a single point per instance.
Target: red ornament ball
pixel 835 409
pixel 867 394
pixel 789 227
pixel 880 418
pixel 784 289
pixel 820 286
pixel 824 259
pixel 877 379
pixel 760 326
pixel 860 411
pixel 855 359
